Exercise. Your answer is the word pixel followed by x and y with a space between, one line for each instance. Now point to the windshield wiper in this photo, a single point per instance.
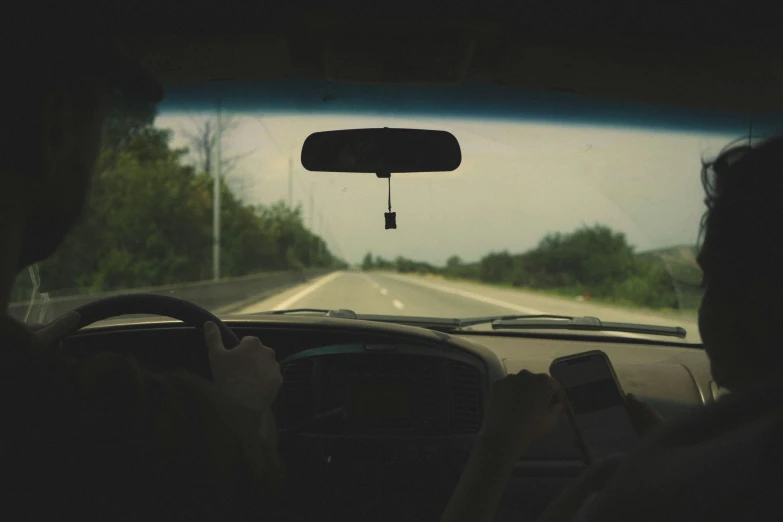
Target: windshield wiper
pixel 296 311
pixel 503 322
pixel 593 324
pixel 424 322
pixel 493 318
pixel 342 313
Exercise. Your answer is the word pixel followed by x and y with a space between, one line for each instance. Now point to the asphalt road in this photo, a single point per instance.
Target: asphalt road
pixel 396 294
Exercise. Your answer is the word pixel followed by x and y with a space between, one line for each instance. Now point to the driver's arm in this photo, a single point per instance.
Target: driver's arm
pixel 179 413
pixel 115 417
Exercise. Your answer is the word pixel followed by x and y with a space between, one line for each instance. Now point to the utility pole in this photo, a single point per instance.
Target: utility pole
pixel 322 243
pixel 216 200
pixel 311 255
pixel 290 182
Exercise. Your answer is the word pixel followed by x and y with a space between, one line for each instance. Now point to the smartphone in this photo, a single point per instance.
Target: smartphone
pixel 596 404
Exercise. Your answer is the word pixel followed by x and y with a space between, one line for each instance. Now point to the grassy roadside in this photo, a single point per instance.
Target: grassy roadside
pixel 577 295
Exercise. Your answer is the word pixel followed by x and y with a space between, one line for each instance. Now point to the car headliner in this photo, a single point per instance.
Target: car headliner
pixel 699 55
pixel 468 100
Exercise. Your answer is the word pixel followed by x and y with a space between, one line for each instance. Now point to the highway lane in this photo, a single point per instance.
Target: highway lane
pixel 396 294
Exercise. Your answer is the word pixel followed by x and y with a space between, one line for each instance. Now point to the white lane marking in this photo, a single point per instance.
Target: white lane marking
pixel 371 281
pixel 470 295
pixel 384 291
pixel 397 304
pixel 307 290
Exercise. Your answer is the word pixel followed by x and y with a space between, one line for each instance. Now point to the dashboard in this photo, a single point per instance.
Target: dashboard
pixel 377 420
pixel 376 390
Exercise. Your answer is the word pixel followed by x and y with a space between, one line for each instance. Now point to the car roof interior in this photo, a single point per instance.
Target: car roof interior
pixel 694 56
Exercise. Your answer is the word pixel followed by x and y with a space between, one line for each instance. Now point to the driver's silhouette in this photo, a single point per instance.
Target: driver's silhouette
pixel 100 438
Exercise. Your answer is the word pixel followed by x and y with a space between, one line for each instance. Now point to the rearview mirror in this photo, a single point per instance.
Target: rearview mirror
pixel 381 151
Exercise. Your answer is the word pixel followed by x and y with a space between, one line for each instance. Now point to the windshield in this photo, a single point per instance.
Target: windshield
pixel 560 206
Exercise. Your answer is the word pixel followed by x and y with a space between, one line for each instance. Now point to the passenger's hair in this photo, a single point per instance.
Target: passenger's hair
pixel 742 229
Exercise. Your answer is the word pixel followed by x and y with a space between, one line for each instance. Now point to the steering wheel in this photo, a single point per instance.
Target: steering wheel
pixel 152 304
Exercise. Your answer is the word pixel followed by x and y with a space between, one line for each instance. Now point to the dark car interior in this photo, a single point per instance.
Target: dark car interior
pixel 376 419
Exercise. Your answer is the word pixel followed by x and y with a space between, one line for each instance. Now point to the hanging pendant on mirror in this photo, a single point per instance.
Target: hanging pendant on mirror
pixel 391 220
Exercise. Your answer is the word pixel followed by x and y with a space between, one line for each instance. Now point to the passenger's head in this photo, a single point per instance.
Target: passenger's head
pixel 57 90
pixel 741 315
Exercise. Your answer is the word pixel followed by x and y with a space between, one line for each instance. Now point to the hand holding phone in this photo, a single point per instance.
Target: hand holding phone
pixel 522 408
pixel 596 404
pixel 644 417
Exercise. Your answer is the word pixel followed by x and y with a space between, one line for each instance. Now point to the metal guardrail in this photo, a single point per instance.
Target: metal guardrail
pixel 224 296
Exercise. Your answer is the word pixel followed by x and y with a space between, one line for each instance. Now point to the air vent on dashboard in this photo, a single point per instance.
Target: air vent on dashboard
pixel 295 400
pixel 465 401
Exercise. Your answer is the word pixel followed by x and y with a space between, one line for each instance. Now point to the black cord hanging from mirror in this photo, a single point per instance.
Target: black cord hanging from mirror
pixel 391 217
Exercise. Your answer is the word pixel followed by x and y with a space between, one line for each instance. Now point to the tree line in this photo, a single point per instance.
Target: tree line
pixel 148 220
pixel 591 262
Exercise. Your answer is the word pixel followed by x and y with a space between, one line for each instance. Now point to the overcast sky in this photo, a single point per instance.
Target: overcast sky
pixel 517 182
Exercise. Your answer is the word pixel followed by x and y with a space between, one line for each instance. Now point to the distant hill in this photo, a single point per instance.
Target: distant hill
pixel 685 253
pixel 680 261
pixel 679 254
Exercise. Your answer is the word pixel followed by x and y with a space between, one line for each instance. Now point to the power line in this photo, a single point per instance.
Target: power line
pixel 332 241
pixel 216 199
pixel 269 135
pixel 311 211
pixel 302 190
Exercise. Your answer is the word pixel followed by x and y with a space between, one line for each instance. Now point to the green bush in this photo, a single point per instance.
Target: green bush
pixel 148 220
pixel 591 260
pixel 496 268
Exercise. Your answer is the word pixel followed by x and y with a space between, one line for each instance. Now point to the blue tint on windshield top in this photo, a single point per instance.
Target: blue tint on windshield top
pixel 471 100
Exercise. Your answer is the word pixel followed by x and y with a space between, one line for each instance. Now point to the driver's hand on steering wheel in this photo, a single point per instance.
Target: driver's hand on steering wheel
pixel 47 335
pixel 249 372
